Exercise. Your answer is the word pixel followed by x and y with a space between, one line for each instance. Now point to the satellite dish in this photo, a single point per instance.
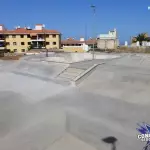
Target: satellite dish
pixel 148 7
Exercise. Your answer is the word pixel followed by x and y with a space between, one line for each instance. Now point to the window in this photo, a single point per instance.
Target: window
pixel 47 36
pixel 54 43
pixel 14 43
pixel 8 51
pixel 7 43
pixel 47 43
pixel 22 43
pixel 23 50
pixel 54 36
pixel 6 36
pixel 28 36
pixel 22 36
pixel 40 37
pixel 15 50
pixel 13 36
pixel 29 43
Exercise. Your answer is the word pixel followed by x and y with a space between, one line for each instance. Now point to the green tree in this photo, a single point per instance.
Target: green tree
pixel 30 47
pixel 140 38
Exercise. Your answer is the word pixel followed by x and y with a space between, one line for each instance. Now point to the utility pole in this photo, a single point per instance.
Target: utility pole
pixel 5 43
pixel 94 12
pixel 85 33
pixel 131 40
pixel 45 43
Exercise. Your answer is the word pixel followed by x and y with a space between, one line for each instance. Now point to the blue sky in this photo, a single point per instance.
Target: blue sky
pixel 71 17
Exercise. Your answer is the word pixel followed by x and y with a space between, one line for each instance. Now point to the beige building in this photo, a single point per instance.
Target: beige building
pixel 23 39
pixel 73 45
pixel 108 41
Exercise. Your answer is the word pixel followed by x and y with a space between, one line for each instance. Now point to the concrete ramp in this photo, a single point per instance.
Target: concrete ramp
pixel 37 131
pixel 70 57
pixel 35 127
pixel 70 73
pixel 69 142
pixel 40 69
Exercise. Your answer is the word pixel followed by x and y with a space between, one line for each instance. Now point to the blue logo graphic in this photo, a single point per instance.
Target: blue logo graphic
pixel 144 134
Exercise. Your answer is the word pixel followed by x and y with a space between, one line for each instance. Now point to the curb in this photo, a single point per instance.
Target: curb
pixel 79 77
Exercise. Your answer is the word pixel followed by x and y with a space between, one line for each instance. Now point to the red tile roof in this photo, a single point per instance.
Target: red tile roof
pixel 73 41
pixel 26 31
pixel 91 41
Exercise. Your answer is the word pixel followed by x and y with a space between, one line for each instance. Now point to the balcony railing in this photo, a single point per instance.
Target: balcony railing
pixel 2 48
pixel 2 39
pixel 2 45
pixel 35 46
pixel 37 39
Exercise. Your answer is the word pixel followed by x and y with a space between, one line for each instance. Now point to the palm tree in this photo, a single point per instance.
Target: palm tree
pixel 140 38
pixel 31 47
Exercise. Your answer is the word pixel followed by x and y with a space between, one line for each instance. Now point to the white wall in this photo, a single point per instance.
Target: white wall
pixel 38 27
pixel 137 44
pixel 1 27
pixel 126 43
pixel 145 43
pixel 83 46
pixel 82 39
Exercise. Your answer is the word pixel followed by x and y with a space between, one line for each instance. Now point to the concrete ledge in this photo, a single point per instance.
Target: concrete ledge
pixel 85 73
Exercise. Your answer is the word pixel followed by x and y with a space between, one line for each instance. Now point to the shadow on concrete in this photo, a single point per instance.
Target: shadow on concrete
pixel 111 140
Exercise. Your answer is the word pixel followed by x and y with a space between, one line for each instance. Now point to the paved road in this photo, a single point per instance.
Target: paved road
pixel 110 102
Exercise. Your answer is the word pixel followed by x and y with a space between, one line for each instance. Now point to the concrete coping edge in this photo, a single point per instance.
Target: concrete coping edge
pixel 84 73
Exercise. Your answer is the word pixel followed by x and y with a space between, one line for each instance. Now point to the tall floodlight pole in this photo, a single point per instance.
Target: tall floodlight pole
pixel 148 9
pixel 94 12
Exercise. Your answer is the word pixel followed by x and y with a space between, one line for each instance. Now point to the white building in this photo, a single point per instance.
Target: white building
pixel 108 41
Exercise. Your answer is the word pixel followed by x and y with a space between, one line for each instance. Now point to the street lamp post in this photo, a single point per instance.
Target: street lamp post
pixel 45 43
pixel 94 11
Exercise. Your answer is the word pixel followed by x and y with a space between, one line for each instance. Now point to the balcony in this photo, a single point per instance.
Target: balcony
pixel 1 48
pixel 37 45
pixel 2 38
pixel 2 45
pixel 37 38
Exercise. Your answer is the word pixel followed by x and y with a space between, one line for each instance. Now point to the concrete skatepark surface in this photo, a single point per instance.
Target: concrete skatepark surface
pixel 72 57
pixel 39 113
